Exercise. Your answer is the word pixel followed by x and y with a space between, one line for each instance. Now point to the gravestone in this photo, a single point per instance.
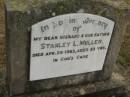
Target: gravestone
pixel 55 44
pixel 72 43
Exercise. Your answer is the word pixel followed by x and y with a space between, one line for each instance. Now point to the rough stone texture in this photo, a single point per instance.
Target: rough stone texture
pixel 115 85
pixel 2 42
pixel 124 58
pixel 21 14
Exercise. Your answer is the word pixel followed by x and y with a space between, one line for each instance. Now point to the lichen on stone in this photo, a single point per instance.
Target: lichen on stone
pixel 119 4
pixel 25 5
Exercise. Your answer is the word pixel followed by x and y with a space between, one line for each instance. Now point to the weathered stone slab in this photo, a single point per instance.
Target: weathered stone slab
pixel 22 14
pixel 2 41
pixel 111 87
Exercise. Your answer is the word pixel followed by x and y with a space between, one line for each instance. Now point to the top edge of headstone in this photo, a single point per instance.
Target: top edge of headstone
pixel 25 5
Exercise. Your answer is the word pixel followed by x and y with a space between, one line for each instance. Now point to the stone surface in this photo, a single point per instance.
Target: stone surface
pixel 124 57
pixel 22 14
pixel 93 56
pixel 2 41
pixel 113 86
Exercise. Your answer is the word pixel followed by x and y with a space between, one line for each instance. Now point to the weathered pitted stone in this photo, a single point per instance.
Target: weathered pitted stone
pixel 22 14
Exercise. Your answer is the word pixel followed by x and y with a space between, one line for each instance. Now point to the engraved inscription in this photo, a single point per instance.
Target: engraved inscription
pixel 69 44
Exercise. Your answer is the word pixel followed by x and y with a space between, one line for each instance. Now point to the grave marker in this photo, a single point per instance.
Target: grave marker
pixel 62 48
pixel 49 43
